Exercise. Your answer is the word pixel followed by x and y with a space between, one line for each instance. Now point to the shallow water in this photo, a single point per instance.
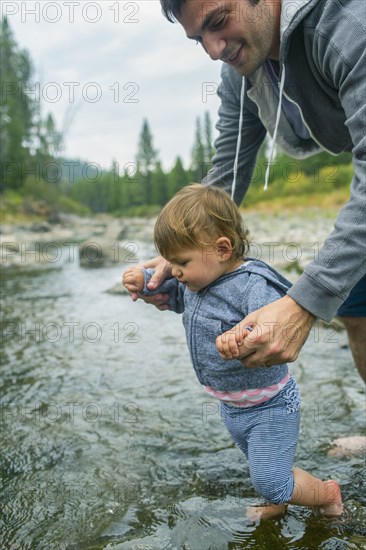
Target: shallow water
pixel 109 442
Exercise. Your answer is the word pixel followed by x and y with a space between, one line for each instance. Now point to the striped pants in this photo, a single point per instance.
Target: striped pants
pixel 268 434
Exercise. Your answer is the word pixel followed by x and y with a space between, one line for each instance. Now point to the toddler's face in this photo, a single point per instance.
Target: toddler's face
pixel 199 267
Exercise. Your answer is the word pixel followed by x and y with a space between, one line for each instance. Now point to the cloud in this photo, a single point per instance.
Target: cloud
pixel 107 66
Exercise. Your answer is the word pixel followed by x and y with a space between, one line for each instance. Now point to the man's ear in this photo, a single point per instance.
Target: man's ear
pixel 224 248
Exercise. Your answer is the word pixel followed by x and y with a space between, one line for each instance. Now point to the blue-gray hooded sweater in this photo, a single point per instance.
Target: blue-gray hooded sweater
pixel 323 72
pixel 217 308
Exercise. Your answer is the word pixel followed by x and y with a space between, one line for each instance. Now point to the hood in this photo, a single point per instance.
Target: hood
pixel 291 10
pixel 264 270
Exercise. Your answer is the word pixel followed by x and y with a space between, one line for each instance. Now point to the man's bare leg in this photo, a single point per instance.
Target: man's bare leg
pixel 356 331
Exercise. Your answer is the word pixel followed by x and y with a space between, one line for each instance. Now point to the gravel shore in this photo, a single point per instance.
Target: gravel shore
pixel 287 240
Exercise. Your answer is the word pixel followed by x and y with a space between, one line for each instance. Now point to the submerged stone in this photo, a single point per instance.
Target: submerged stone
pixel 348 446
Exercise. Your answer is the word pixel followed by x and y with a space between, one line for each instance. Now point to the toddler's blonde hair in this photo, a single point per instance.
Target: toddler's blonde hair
pixel 195 217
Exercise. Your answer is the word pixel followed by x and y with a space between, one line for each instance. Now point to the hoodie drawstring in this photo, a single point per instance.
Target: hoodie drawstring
pixel 273 143
pixel 238 142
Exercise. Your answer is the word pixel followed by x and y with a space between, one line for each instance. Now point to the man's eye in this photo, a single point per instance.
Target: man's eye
pixel 218 24
pixel 198 40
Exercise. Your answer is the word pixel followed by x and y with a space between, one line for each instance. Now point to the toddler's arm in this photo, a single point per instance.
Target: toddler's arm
pixel 172 287
pixel 137 280
pixel 162 271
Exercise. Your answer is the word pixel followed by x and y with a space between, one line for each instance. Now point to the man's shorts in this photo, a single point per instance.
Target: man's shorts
pixel 355 304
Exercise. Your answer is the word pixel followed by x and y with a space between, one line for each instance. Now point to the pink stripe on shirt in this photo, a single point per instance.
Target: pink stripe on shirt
pixel 249 398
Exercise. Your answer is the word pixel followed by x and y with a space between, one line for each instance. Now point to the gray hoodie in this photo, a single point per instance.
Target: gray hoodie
pixel 216 309
pixel 322 72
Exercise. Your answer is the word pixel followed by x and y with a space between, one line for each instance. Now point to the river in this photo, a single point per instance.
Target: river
pixel 108 441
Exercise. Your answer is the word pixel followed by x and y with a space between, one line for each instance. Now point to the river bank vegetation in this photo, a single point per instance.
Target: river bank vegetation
pixel 37 182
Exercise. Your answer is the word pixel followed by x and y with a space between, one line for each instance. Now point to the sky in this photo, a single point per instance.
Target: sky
pixel 102 67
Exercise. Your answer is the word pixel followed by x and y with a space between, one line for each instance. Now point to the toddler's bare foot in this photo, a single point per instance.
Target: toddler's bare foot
pixel 265 511
pixel 334 505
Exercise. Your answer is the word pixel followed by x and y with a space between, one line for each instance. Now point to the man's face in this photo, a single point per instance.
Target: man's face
pixel 234 31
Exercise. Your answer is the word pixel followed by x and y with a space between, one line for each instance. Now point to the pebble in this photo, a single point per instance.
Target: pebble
pixel 348 446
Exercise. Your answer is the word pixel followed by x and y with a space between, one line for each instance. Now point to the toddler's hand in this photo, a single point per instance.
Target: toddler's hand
pixel 228 344
pixel 133 280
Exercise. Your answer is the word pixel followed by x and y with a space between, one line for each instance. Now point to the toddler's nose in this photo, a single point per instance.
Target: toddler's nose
pixel 176 272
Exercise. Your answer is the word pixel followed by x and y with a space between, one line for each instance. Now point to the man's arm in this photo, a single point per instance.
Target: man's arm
pixel 273 331
pixel 327 281
pixel 280 329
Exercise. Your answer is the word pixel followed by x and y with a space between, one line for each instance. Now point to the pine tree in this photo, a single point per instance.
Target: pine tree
pixel 198 154
pixel 209 148
pixel 28 142
pixel 178 177
pixel 159 191
pixel 146 158
pixel 16 109
pixel 203 150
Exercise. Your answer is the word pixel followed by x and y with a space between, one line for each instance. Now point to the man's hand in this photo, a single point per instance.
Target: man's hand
pixel 279 330
pixel 162 271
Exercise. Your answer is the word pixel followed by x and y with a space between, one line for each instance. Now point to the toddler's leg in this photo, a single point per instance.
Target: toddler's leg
pixel 241 425
pixel 272 446
pixel 265 511
pixel 311 491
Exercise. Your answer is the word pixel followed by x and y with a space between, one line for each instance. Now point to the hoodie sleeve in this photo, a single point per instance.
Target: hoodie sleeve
pixel 253 134
pixel 172 286
pixel 327 281
pixel 259 293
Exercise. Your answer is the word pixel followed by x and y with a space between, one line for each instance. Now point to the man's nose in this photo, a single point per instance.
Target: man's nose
pixel 214 46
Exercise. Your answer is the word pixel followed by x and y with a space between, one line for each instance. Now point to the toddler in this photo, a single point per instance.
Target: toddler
pixel 200 232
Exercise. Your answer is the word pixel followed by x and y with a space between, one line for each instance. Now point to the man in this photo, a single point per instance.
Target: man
pixel 294 68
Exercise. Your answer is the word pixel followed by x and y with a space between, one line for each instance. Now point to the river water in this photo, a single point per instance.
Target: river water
pixel 108 441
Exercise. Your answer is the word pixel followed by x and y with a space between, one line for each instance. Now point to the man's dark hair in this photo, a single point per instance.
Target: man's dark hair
pixel 172 8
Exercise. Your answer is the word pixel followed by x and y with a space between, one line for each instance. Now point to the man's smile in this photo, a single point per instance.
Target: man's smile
pixel 234 58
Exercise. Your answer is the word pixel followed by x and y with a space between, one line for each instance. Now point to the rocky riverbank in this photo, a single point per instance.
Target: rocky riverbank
pixel 286 240
pixel 101 240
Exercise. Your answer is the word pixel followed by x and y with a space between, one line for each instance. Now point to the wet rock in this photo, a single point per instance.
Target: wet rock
pixel 137 229
pixel 118 289
pixel 97 252
pixel 348 446
pixel 40 227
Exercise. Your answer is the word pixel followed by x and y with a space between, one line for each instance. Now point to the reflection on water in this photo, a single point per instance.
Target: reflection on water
pixel 109 442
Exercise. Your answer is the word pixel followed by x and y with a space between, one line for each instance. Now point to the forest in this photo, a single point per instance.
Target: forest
pixel 36 178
